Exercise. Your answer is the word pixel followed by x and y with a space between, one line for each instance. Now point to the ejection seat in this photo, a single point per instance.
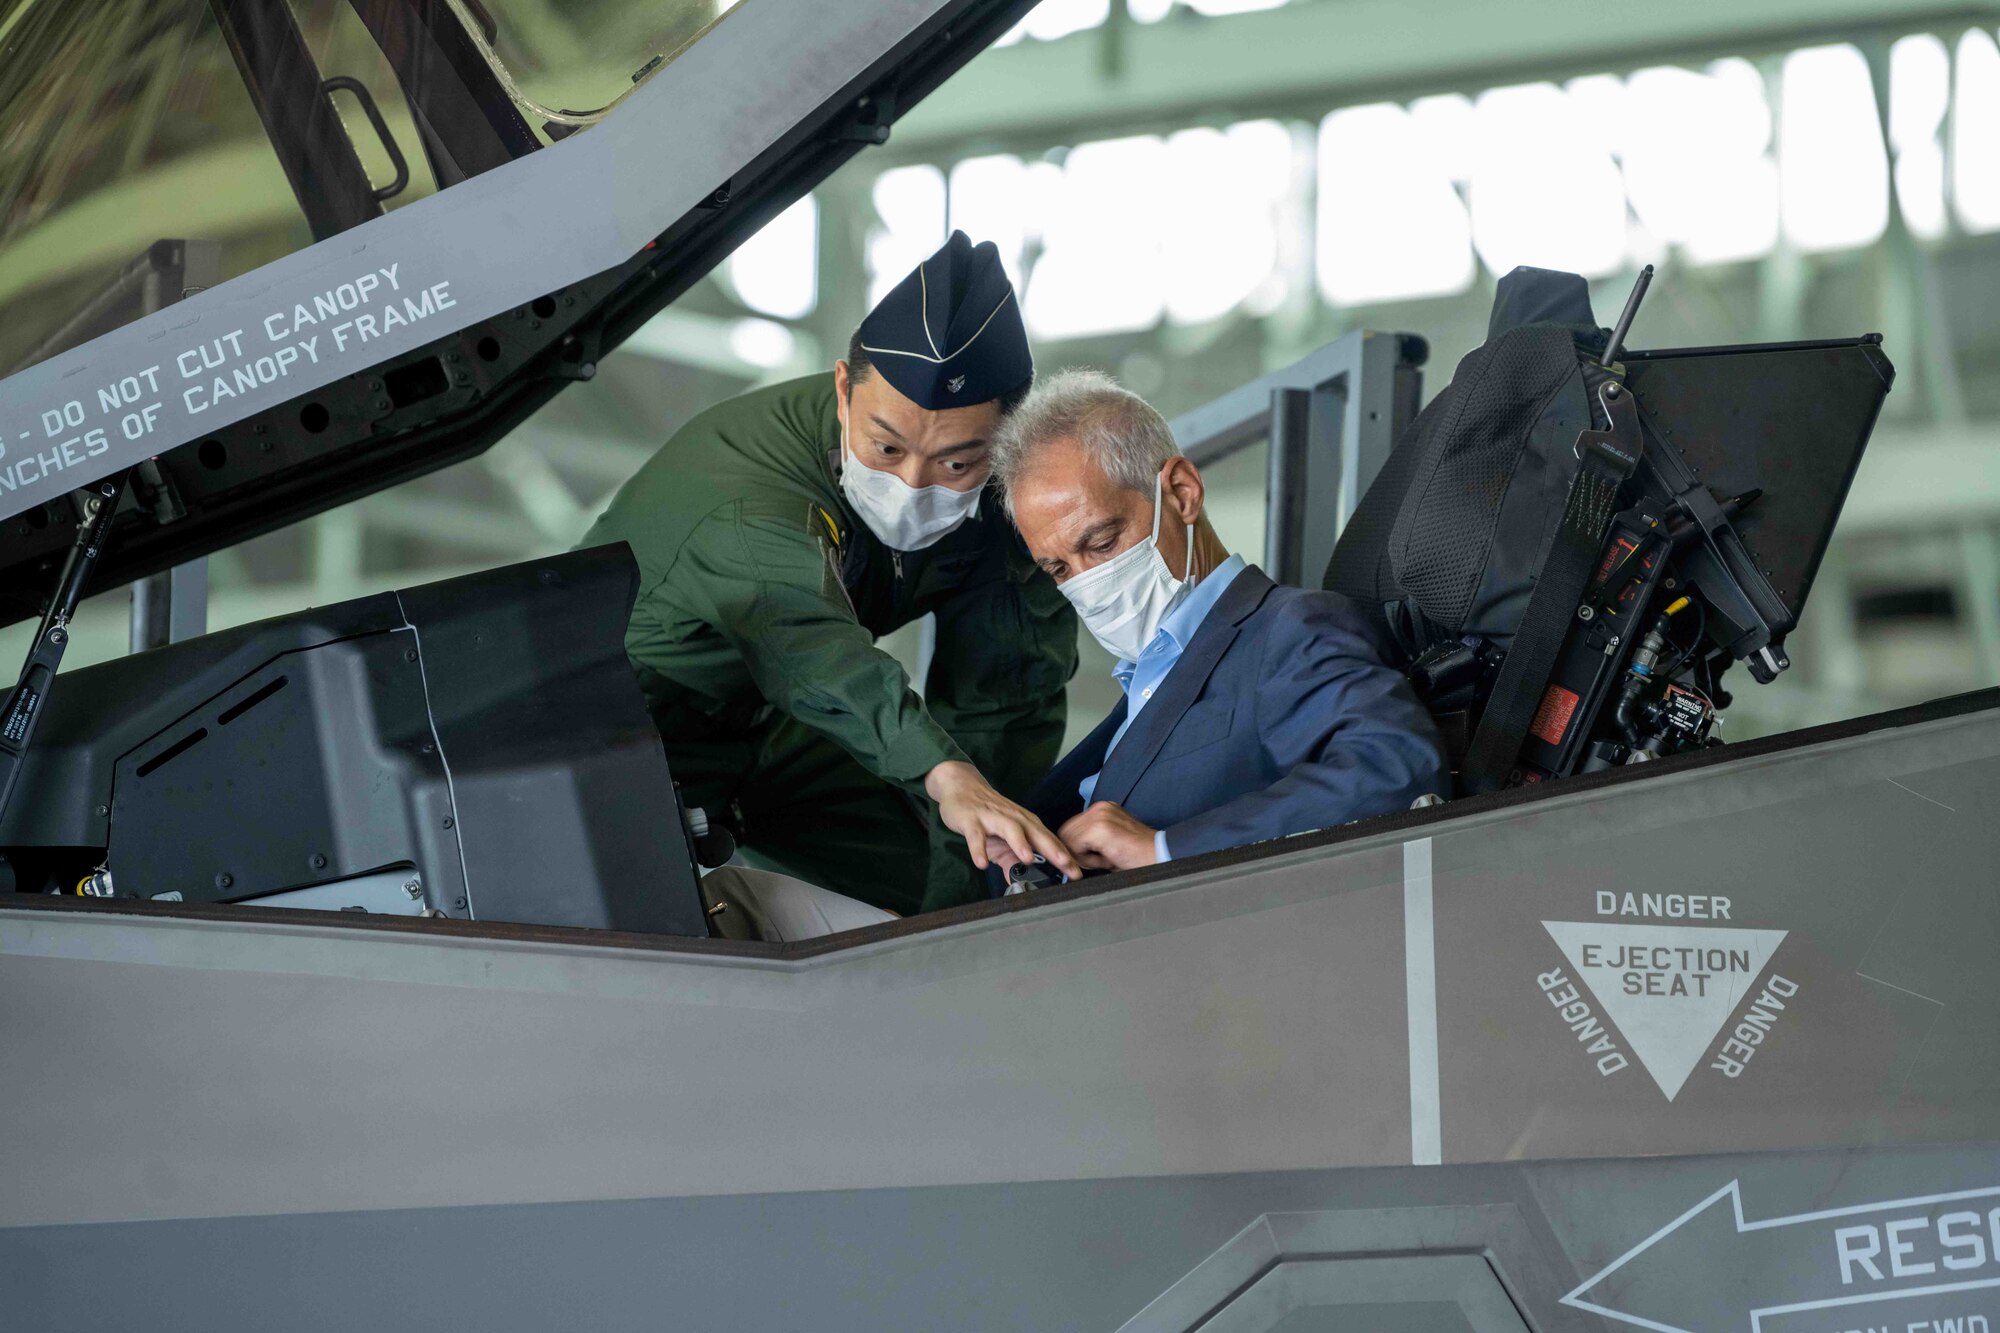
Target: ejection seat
pixel 1573 542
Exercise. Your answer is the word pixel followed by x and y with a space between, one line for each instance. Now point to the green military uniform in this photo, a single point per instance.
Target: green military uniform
pixel 761 596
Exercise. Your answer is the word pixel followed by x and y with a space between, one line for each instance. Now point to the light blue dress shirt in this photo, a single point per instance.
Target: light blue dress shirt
pixel 1139 679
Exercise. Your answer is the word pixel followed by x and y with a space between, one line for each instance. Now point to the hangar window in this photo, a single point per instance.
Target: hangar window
pixel 1053 20
pixel 1391 225
pixel 1152 11
pixel 909 204
pixel 1003 199
pixel 763 342
pixel 1695 147
pixel 776 272
pixel 1225 189
pixel 1097 274
pixel 1919 96
pixel 1832 172
pixel 1605 171
pixel 1544 190
pixel 1975 148
pixel 1138 229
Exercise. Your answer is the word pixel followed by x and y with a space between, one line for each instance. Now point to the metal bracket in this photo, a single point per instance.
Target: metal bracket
pixel 873 116
pixel 577 354
pixel 342 83
pixel 1623 444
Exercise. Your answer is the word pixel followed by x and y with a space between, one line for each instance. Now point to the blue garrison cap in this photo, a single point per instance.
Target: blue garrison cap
pixel 950 334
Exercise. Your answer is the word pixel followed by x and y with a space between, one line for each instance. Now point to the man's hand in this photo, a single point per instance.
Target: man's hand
pixel 1000 854
pixel 1106 838
pixel 970 807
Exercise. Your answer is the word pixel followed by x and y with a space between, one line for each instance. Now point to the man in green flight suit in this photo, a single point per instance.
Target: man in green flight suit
pixel 781 533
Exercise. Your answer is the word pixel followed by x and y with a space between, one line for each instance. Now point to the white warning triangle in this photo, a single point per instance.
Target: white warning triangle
pixel 1668 988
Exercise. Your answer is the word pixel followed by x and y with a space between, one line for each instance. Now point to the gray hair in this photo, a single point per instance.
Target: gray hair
pixel 1117 428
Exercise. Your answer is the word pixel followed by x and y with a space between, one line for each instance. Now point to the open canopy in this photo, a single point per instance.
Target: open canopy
pixel 400 341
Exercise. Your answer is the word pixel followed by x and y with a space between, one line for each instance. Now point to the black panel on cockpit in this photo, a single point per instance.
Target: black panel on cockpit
pixel 1790 419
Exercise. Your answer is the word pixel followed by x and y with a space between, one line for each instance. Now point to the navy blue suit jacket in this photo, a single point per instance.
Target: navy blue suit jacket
pixel 1281 716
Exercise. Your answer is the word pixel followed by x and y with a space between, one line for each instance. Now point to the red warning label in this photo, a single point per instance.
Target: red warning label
pixel 1615 555
pixel 1552 718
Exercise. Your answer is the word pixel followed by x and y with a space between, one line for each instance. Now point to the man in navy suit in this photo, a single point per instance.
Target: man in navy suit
pixel 1251 711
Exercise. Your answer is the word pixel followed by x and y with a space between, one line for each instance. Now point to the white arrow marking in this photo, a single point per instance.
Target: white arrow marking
pixel 1734 1191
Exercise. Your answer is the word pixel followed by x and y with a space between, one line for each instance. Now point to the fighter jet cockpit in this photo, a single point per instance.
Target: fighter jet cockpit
pixel 1686 497
pixel 480 741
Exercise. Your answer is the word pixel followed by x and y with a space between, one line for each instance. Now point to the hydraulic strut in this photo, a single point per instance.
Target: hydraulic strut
pixel 45 654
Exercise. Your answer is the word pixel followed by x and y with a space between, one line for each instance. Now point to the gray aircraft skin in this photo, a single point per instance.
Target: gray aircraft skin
pixel 1710 1046
pixel 1706 1044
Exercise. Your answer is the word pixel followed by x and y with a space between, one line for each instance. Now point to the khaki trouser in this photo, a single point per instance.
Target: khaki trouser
pixel 748 904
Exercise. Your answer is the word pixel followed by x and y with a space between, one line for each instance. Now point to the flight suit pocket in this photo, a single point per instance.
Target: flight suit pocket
pixel 1199 728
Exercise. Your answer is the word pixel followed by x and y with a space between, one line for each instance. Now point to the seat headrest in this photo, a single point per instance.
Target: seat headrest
pixel 1545 296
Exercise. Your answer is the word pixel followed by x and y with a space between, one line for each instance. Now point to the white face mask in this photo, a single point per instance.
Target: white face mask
pixel 1123 600
pixel 905 517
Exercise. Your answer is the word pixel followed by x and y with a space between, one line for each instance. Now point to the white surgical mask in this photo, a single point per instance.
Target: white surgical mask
pixel 905 517
pixel 1123 600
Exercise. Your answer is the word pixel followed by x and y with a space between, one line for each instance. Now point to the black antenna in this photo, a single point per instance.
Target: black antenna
pixel 1624 325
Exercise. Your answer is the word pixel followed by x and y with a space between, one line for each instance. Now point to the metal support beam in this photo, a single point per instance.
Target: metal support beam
pixel 1329 421
pixel 305 131
pixel 1980 587
pixel 465 119
pixel 170 607
pixel 1288 463
pixel 1305 60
